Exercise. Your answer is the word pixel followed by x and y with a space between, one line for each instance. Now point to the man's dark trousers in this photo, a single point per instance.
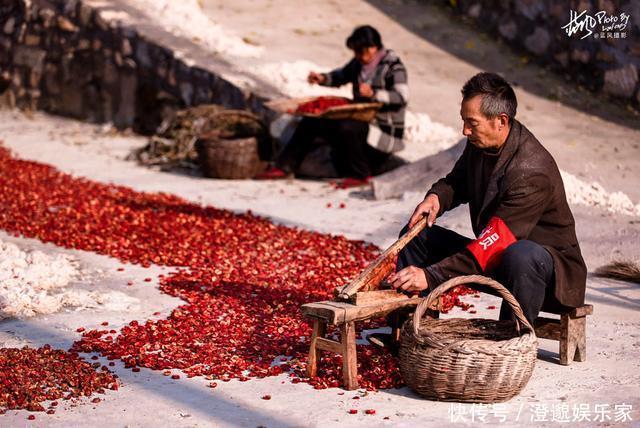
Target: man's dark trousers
pixel 526 268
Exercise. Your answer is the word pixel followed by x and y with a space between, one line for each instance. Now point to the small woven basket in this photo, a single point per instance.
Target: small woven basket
pixel 231 150
pixel 467 360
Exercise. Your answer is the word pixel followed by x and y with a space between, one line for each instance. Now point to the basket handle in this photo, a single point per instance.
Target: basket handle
pixel 469 279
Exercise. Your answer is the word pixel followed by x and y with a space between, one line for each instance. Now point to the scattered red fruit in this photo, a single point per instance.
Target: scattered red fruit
pixel 266 397
pixel 491 307
pixel 352 411
pixel 135 369
pixel 213 385
pixel 234 272
pixel 33 376
pixel 31 417
pixel 129 282
pixel 147 280
pixel 50 412
pixel 175 376
pixel 370 411
pixel 329 204
pixel 105 323
pixel 320 104
pixel 343 205
pixel 120 269
pixel 96 400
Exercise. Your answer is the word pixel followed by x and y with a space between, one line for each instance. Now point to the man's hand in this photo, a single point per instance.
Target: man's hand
pixel 365 90
pixel 316 78
pixel 429 207
pixel 410 279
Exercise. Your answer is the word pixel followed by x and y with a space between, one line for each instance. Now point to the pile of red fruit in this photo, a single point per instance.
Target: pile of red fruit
pixel 30 376
pixel 320 105
pixel 242 277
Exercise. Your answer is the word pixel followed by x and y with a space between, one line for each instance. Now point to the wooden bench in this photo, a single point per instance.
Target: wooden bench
pixel 570 330
pixel 344 315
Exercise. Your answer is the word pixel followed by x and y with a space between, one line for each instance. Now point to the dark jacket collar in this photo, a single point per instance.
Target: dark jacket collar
pixel 506 155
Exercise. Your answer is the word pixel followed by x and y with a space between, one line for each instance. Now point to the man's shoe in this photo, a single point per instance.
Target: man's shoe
pixel 384 341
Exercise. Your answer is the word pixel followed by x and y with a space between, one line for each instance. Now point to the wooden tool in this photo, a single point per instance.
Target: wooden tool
pixel 380 268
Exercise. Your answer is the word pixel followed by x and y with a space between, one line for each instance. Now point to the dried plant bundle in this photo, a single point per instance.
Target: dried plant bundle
pixel 624 270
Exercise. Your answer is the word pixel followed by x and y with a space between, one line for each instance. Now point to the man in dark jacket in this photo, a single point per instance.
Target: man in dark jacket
pixel 525 231
pixel 359 149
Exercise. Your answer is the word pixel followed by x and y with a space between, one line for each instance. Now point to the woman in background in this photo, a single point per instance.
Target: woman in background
pixel 358 148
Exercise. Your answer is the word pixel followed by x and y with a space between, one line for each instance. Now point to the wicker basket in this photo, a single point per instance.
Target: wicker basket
pixel 230 149
pixel 229 158
pixel 467 360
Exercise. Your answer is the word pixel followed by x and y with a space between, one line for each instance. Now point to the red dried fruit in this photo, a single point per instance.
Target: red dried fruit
pixel 31 417
pixel 234 272
pixel 80 329
pixel 370 411
pixel 135 369
pixel 320 104
pixel 104 323
pixel 343 205
pixel 96 400
pixel 213 385
pixel 120 269
pixel 329 205
pixel 491 307
pixel 266 397
pixel 147 280
pixel 129 282
pixel 352 411
pixel 175 376
pixel 50 412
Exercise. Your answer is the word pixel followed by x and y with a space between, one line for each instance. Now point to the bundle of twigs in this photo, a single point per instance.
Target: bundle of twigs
pixel 173 145
pixel 623 270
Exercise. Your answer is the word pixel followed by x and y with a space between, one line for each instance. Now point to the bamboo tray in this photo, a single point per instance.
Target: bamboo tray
pixel 364 112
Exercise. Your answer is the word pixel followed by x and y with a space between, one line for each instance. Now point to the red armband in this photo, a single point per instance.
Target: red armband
pixel 494 239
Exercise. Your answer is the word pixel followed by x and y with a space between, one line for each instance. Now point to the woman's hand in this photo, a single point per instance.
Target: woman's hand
pixel 316 78
pixel 410 279
pixel 365 90
pixel 429 207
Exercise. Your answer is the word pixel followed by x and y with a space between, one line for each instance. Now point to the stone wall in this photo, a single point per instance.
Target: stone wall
pixel 611 64
pixel 62 56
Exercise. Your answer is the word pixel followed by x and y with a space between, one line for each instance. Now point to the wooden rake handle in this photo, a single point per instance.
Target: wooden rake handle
pixel 382 266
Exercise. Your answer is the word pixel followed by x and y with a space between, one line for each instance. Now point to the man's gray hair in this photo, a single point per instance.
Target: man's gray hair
pixel 498 96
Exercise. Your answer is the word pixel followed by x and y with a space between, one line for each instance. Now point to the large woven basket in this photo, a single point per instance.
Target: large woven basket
pixel 231 149
pixel 467 360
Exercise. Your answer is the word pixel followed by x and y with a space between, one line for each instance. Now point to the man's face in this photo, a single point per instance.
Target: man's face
pixel 481 131
pixel 365 55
